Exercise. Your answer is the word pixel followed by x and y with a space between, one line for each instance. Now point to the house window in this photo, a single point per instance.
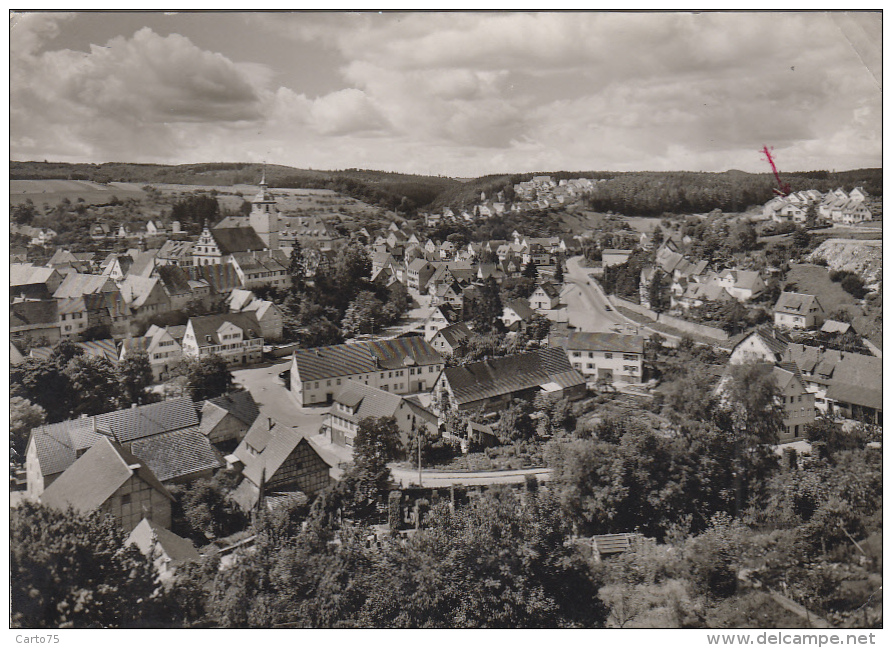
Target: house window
pixel 125 499
pixel 630 356
pixel 339 381
pixel 577 354
pixel 315 385
pixel 608 356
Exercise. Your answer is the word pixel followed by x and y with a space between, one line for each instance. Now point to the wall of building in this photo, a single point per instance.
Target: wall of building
pixel 303 470
pixel 396 381
pixel 136 500
pixel 622 367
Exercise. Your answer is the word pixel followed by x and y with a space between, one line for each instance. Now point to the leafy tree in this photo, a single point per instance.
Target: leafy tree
pixel 559 271
pixel 69 570
pixel 530 271
pixel 205 378
pixel 207 509
pixel 487 310
pixel 515 422
pixel 811 216
pixel 135 375
pixel 364 315
pixel 23 214
pixel 196 211
pixel 43 383
pixel 94 385
pixel 396 305
pixel 854 285
pixel 377 443
pixel 658 292
pixel 538 327
pixel 24 416
pixel 297 267
pixel 743 237
pixel 715 555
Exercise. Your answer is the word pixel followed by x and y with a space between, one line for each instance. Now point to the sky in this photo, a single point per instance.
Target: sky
pixel 458 94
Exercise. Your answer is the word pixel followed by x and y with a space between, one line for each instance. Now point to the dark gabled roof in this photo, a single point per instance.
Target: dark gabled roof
pixel 222 277
pixel 206 326
pixel 364 357
pixel 174 279
pixel 31 313
pixel 855 395
pixel 148 420
pixel 272 443
pixel 521 307
pixel 177 454
pixel 57 445
pixel 550 289
pixel 240 404
pixel 96 476
pixel 616 342
pixel 373 402
pixel 790 302
pixel 455 334
pixel 509 374
pixel 237 239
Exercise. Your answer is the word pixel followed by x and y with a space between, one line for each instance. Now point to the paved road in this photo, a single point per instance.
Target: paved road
pixel 272 397
pixel 442 479
pixel 586 304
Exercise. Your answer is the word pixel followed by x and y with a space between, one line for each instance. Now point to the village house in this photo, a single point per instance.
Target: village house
pixel 547 296
pixel 28 281
pixel 160 346
pixel 34 322
pixel 606 357
pixel 267 313
pixel 516 313
pixel 180 289
pixel 440 317
pixel 451 340
pixel 165 549
pixel 765 344
pixel 178 253
pixel 76 284
pixel 400 366
pixel 275 458
pixel 357 401
pixel 257 269
pixel 144 296
pixel 418 273
pixel 798 311
pixel 226 419
pixel 110 479
pixel 491 385
pixel 742 285
pixel 216 246
pixel 798 404
pixel 235 337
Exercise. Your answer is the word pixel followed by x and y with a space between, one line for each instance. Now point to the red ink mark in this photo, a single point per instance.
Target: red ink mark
pixel 783 188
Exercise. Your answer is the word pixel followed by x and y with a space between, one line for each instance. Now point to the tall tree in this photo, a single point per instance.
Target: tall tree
pixel 94 385
pixel 206 377
pixel 70 570
pixel 297 267
pixel 135 376
pixel 24 416
pixel 487 310
pixel 377 443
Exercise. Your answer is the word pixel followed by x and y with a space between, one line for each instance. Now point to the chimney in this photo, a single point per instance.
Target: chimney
pixel 135 466
pixel 132 406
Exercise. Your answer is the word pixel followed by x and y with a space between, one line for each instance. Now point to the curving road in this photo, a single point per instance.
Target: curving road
pixel 587 306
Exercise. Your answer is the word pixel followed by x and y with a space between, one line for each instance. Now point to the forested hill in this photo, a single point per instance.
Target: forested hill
pixel 630 193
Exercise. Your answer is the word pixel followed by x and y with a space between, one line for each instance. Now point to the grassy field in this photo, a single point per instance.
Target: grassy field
pixel 52 192
pixel 815 280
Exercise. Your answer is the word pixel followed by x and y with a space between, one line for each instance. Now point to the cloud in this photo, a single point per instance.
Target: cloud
pixel 465 93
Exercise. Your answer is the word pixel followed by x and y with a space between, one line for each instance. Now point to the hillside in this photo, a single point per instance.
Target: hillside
pixel 864 258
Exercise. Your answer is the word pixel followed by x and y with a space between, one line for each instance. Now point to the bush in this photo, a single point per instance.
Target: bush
pixel 854 285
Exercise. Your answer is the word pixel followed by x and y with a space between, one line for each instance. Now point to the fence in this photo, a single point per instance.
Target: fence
pixel 668 320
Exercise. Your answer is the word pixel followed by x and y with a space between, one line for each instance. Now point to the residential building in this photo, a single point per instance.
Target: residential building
pixel 53 448
pixel 28 281
pixel 235 337
pixel 798 404
pixel 798 311
pixel 162 348
pixel 547 296
pixel 267 313
pixel 491 385
pixel 515 314
pixel 226 419
pixel 257 269
pixel 765 344
pixel 418 273
pixel 144 296
pixel 110 479
pixel 76 284
pixel 607 357
pixel 34 322
pixel 440 317
pixel 216 246
pixel 357 401
pixel 400 366
pixel 178 253
pixel 451 340
pixel 165 549
pixel 275 458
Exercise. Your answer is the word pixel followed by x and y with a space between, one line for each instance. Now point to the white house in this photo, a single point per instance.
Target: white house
pixel 610 357
pixel 236 337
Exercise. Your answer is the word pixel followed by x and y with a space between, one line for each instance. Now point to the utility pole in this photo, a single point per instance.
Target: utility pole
pixel 418 434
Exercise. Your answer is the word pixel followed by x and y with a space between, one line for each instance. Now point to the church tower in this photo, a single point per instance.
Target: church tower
pixel 264 216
